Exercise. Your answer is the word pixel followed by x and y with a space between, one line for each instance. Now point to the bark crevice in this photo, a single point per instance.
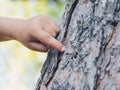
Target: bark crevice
pixel 58 54
pixel 91 61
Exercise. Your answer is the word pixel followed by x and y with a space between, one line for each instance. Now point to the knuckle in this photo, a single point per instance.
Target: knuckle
pixel 48 39
pixel 54 34
pixel 57 30
pixel 45 50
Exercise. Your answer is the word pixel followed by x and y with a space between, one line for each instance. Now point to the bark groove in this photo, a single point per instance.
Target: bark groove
pixel 90 30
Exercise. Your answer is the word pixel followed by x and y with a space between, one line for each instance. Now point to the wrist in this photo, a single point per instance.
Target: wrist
pixel 11 27
pixel 18 29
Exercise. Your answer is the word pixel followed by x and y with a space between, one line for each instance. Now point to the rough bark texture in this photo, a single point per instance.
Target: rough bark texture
pixel 90 30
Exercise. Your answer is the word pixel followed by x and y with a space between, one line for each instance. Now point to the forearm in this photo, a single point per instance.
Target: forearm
pixel 9 28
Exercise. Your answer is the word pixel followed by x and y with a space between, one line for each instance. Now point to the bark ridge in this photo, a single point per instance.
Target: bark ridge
pixel 90 30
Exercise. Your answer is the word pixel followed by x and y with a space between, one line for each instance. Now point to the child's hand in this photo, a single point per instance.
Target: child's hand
pixel 37 33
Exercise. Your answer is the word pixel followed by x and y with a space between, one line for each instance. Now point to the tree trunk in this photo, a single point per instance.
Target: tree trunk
pixel 90 30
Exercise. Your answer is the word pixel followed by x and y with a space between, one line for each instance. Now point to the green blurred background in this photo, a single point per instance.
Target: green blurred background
pixel 19 66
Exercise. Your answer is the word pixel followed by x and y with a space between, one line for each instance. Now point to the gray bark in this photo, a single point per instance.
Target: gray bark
pixel 90 30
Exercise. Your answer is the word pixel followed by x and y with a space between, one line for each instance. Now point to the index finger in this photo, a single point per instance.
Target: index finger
pixel 47 39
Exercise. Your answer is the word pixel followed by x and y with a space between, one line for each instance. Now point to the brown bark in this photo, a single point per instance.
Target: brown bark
pixel 90 30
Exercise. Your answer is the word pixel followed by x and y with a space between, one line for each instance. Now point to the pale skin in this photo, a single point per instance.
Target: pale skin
pixel 37 33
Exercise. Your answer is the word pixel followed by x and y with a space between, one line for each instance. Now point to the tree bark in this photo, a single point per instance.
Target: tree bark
pixel 90 30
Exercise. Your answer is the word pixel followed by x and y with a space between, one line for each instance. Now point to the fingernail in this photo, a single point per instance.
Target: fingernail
pixel 63 49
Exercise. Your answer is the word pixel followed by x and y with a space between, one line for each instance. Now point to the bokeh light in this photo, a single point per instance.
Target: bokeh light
pixel 19 66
